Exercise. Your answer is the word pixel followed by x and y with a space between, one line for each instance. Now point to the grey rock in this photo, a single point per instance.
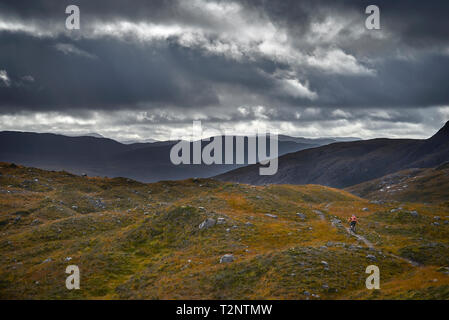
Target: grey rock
pixel 271 215
pixel 209 222
pixel 336 222
pixel 414 213
pixel 371 257
pixel 301 215
pixel 227 258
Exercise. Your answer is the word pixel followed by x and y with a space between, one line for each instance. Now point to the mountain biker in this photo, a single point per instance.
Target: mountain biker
pixel 352 222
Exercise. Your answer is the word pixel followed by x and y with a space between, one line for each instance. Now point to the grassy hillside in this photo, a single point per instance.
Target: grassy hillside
pixel 414 185
pixel 133 240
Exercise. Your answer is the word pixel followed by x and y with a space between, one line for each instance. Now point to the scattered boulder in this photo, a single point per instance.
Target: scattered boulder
pixel 227 258
pixel 414 213
pixel 209 222
pixel 365 209
pixel 47 260
pixel 271 215
pixel 301 215
pixel 336 222
pixel 220 220
pixel 68 258
pixel 324 263
pixel 371 257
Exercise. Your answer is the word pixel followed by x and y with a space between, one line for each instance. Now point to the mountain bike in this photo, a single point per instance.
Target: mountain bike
pixel 352 227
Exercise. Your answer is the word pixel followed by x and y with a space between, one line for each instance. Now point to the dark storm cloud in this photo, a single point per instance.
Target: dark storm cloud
pixel 121 76
pixel 210 59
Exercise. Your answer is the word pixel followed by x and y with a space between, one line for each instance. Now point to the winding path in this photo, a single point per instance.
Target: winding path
pixel 365 241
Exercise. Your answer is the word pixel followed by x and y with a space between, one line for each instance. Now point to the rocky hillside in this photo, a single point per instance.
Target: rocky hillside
pixel 345 164
pixel 413 185
pixel 202 238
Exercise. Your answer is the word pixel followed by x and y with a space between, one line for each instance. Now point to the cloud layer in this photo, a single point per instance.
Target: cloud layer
pixel 301 67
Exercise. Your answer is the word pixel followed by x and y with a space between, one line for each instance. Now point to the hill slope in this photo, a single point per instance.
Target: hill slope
pixel 134 240
pixel 344 164
pixel 413 185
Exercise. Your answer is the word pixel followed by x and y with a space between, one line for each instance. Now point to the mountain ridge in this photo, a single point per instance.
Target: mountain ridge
pixel 343 164
pixel 94 156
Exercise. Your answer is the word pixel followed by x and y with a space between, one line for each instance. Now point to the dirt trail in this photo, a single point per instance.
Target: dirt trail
pixel 361 238
pixel 366 242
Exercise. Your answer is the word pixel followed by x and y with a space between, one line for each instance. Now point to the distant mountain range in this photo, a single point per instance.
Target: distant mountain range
pixel 99 156
pixel 348 163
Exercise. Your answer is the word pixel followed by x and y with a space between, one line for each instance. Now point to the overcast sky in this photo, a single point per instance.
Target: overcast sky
pixel 145 69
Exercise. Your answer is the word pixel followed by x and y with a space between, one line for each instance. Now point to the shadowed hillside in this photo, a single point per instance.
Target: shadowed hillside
pixel 202 238
pixel 146 162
